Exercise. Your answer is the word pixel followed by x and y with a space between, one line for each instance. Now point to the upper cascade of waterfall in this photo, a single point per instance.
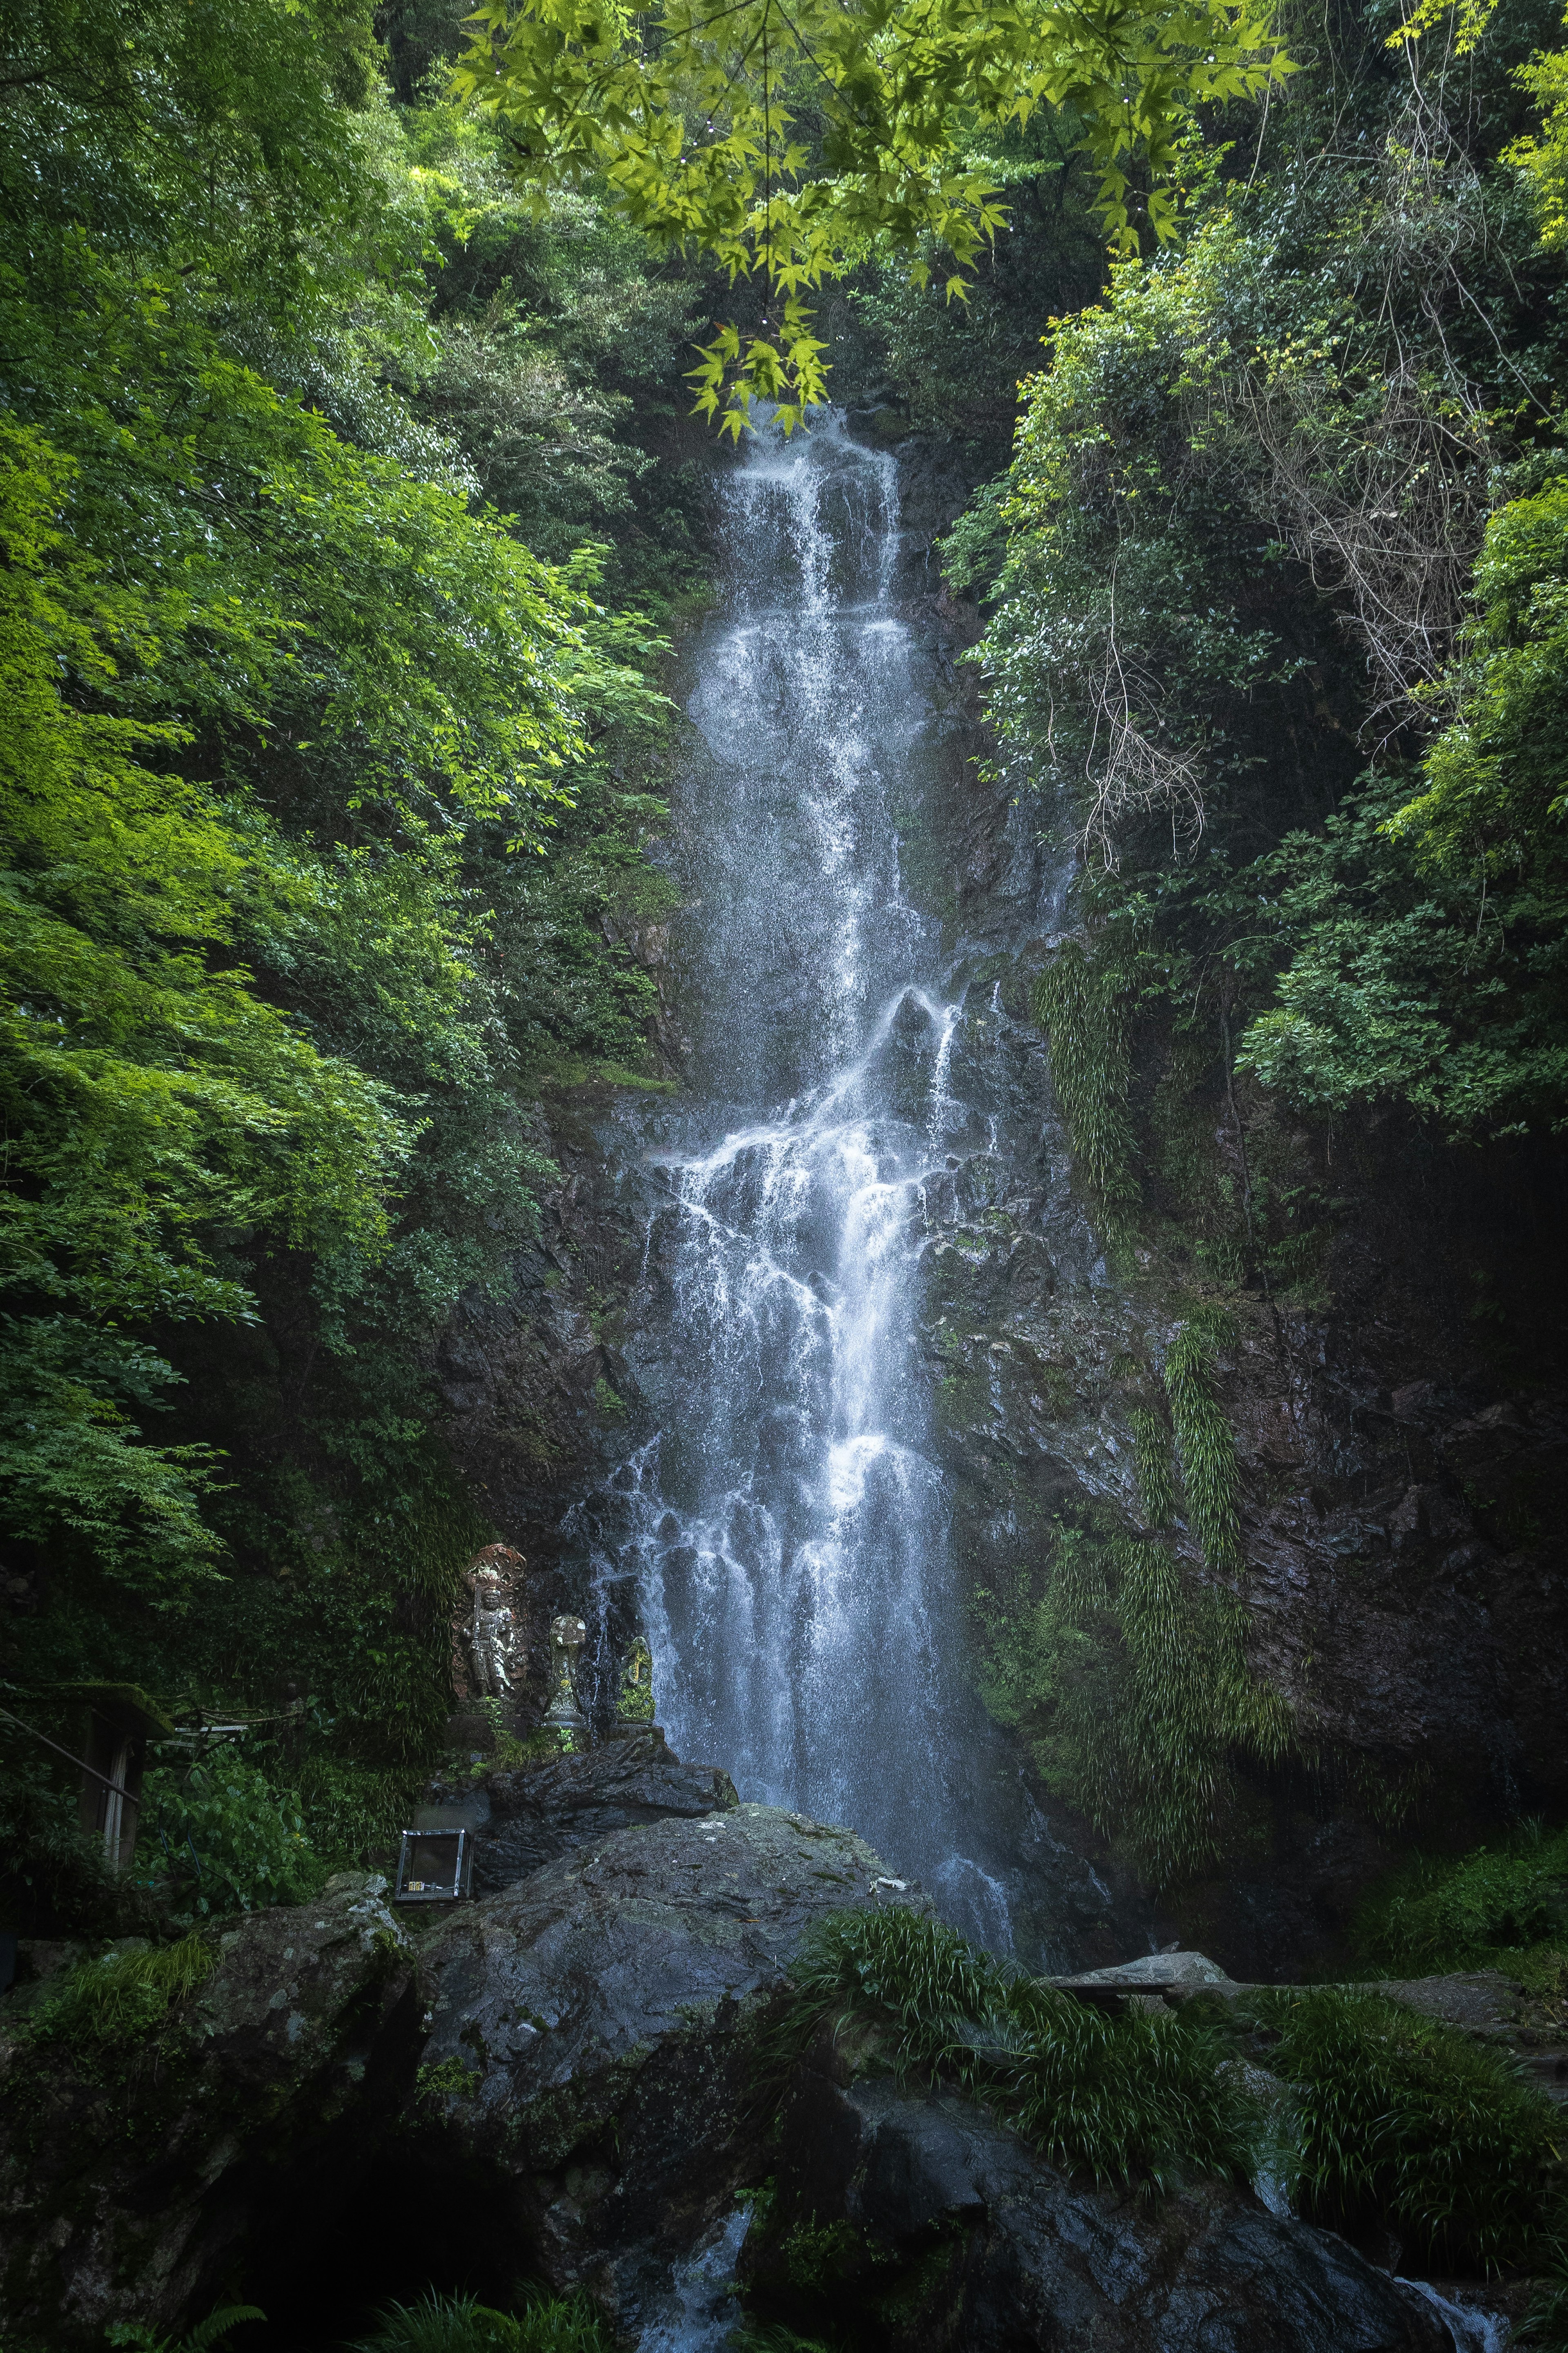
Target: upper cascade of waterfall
pixel 787 1529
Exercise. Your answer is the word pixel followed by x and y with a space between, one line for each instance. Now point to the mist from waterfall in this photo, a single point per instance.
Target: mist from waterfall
pixel 787 1528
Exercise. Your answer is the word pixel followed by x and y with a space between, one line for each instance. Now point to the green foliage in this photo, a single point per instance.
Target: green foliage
pixel 1248 491
pixel 1542 156
pixel 634 1700
pixel 1155 1469
pixel 790 142
pixel 460 2324
pixel 1210 1478
pixel 1455 1913
pixel 224 1840
pixel 1138 2096
pixel 1082 1009
pixel 814 2253
pixel 1545 2321
pixel 207 2332
pixel 763 2336
pixel 121 1996
pixel 1130 1680
pixel 324 807
pixel 1410 2121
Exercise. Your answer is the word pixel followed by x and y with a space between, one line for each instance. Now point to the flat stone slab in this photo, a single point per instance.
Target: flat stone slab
pixel 1156 1974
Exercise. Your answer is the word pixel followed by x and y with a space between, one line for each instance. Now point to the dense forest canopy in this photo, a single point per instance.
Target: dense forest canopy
pixel 319 773
pixel 350 490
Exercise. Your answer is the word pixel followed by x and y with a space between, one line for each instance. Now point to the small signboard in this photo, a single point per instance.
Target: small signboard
pixel 435 1866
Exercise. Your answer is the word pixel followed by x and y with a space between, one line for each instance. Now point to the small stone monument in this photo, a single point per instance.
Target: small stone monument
pixel 567 1636
pixel 634 1700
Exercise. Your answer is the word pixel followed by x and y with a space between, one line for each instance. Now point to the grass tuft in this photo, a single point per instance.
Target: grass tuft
pixel 1154 1466
pixel 120 1996
pixel 1130 1680
pixel 1082 1007
pixel 1409 2122
pixel 1140 2096
pixel 1209 1474
pixel 461 2324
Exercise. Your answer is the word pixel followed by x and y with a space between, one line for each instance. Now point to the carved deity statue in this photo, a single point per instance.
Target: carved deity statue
pixel 488 1652
pixel 492 1640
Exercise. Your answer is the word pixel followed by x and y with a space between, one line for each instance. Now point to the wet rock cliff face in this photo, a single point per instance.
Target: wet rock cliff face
pixel 1400 1420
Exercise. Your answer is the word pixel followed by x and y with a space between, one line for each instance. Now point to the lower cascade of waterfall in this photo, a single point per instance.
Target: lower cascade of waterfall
pixel 787 1529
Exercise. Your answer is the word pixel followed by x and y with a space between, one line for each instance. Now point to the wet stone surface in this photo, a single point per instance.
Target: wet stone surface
pixel 535 1813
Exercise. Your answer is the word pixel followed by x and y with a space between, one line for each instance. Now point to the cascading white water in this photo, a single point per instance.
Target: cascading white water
pixel 787 1528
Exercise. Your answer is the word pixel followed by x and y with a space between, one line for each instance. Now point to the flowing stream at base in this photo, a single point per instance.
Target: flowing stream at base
pixel 787 1529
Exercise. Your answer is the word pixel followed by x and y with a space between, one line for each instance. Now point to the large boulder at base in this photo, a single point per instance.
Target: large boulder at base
pixel 950 2235
pixel 594 2040
pixel 555 2080
pixel 133 2176
pixel 536 1813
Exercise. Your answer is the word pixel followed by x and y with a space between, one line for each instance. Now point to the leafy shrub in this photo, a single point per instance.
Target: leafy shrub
pixel 120 1996
pixel 1446 1914
pixel 1407 2120
pixel 461 2324
pixel 349 1807
pixel 230 1842
pixel 1141 2095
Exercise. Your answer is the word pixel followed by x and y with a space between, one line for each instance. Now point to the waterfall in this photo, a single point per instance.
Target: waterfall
pixel 787 1529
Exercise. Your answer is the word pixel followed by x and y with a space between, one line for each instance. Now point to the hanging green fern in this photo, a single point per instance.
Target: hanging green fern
pixel 1130 1680
pixel 1153 1464
pixel 1209 1472
pixel 1081 1007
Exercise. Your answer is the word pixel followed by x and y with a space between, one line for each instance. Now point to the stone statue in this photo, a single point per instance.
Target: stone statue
pixel 567 1636
pixel 633 1701
pixel 492 1640
pixel 488 1652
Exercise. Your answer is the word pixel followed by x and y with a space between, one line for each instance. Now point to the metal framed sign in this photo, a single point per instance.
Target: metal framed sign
pixel 435 1866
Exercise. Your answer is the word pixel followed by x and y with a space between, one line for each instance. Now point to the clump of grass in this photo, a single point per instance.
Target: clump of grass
pixel 1454 1914
pixel 120 1996
pixel 1408 2121
pixel 1083 1007
pixel 461 2324
pixel 1545 2324
pixel 1209 1474
pixel 1130 1680
pixel 1154 1466
pixel 1140 2096
pixel 352 1810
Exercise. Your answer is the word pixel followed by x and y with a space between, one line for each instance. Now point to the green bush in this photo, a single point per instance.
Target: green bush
pixel 1406 2120
pixel 1137 2097
pixel 229 1841
pixel 121 1995
pixel 461 2324
pixel 1450 1915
